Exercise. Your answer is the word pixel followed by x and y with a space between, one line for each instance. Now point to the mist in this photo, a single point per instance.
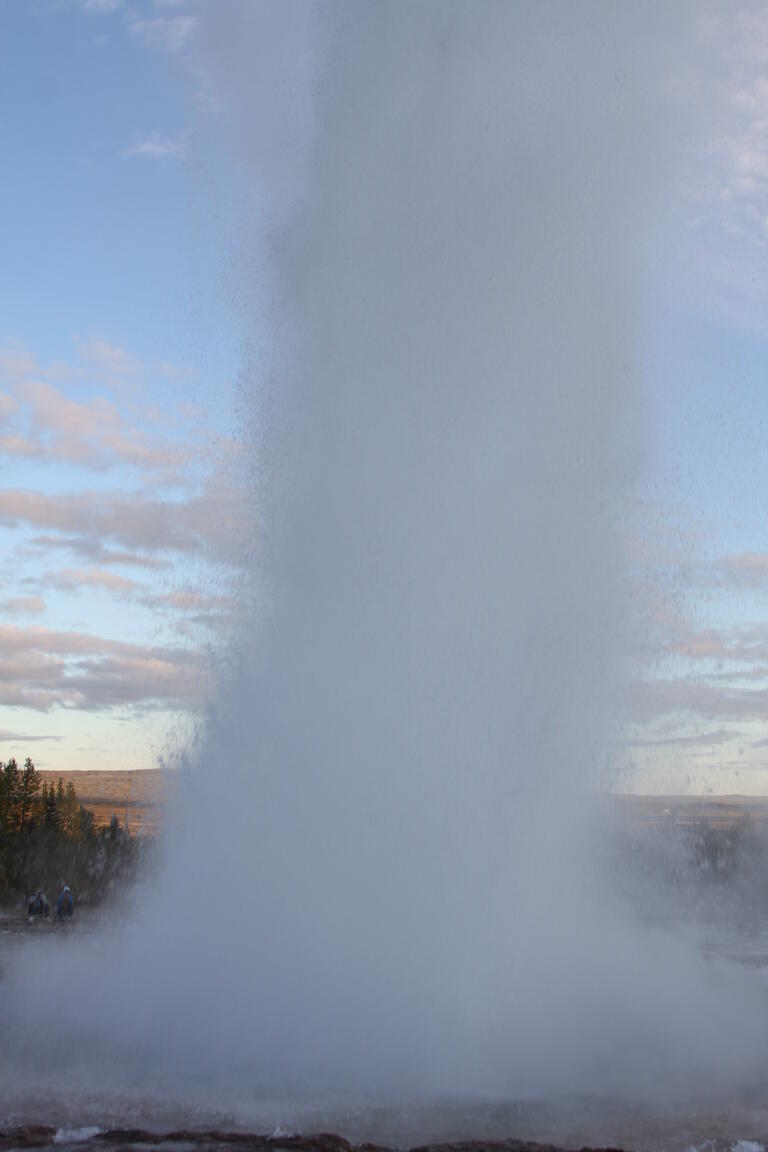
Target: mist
pixel 447 211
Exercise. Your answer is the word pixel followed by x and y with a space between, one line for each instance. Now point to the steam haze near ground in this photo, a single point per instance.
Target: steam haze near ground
pixel 446 214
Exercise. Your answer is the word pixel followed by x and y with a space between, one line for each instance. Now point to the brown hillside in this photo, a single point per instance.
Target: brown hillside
pixel 137 798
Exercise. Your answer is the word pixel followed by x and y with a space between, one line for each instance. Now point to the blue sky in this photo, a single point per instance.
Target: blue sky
pixel 76 93
pixel 121 500
pixel 117 363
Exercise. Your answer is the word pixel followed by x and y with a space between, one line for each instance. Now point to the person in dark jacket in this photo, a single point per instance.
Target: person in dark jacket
pixel 37 905
pixel 65 905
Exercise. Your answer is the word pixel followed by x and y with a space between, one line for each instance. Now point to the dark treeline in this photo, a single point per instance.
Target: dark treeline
pixel 48 839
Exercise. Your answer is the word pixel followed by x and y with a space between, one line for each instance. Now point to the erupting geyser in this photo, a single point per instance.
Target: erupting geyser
pixel 447 207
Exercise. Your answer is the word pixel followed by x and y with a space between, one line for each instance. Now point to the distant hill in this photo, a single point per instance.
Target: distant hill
pixel 717 811
pixel 137 798
pixel 140 797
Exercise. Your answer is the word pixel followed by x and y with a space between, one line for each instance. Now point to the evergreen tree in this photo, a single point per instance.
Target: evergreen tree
pixel 51 816
pixel 11 793
pixel 71 821
pixel 29 786
pixel 47 835
pixel 86 823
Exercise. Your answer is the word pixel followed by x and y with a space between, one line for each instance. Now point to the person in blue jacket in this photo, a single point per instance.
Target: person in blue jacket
pixel 65 905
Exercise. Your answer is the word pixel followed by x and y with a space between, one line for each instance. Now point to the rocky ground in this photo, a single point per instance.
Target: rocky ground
pixel 40 1136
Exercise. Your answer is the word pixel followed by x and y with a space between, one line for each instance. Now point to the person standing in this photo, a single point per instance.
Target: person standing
pixel 65 905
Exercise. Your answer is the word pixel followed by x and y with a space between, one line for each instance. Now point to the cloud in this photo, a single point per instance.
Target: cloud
pixel 109 359
pixel 96 359
pixel 739 645
pixel 8 406
pixel 178 372
pixel 96 553
pixel 727 196
pixel 41 668
pixel 212 525
pixel 649 700
pixel 189 609
pixel 8 737
pixel 99 5
pixel 191 600
pixel 13 444
pixel 187 599
pixel 16 363
pixel 748 570
pixel 179 510
pixel 22 606
pixel 169 33
pixel 723 673
pixel 97 414
pixel 91 519
pixel 153 146
pixel 182 509
pixel 76 579
pixel 42 422
pixel 687 740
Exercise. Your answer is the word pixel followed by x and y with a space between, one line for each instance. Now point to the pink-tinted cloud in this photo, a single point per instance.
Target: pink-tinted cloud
pixel 747 570
pixel 90 415
pixel 16 363
pixel 22 606
pixel 42 422
pixel 96 553
pixel 188 600
pixel 41 668
pixel 723 677
pixel 747 644
pixel 8 406
pixel 109 359
pixel 15 445
pixel 76 579
pixel 212 525
pixel 95 413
